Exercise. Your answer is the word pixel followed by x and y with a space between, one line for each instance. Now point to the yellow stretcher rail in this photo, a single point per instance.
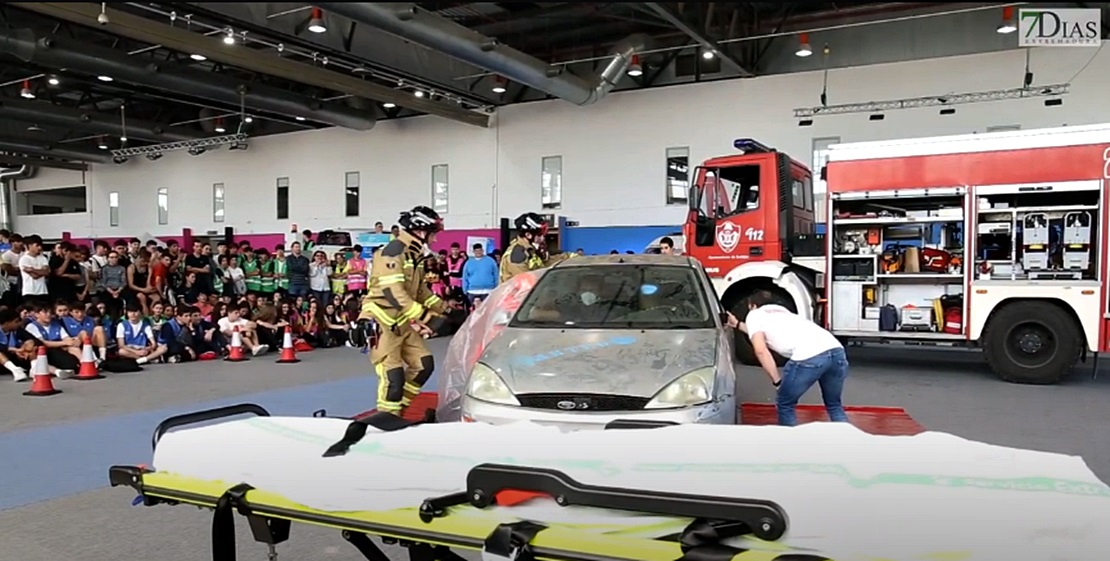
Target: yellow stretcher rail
pixel 471 519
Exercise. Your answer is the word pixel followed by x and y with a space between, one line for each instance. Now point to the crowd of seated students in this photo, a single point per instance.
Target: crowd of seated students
pixel 155 304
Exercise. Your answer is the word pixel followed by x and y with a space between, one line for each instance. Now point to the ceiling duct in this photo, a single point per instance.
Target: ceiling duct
pixel 60 52
pixel 46 113
pixel 23 146
pixel 407 21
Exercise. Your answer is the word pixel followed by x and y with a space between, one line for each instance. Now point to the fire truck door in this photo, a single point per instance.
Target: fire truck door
pixel 740 232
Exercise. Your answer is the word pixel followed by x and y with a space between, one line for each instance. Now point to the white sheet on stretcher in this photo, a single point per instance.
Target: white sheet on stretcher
pixel 848 494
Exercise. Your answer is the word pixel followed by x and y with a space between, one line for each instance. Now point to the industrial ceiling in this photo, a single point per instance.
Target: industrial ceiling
pixel 97 82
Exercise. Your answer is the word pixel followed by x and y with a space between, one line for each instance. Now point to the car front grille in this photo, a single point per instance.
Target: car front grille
pixel 582 402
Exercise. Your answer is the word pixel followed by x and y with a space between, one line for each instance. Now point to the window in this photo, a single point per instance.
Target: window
pixel 678 175
pixel 1003 128
pixel 728 191
pixel 113 208
pixel 551 182
pixel 218 202
pixel 820 158
pixel 798 193
pixel 627 297
pixel 352 193
pixel 283 198
pixel 439 188
pixel 65 200
pixel 163 205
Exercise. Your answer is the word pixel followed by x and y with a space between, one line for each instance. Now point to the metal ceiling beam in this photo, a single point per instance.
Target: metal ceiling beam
pixel 706 43
pixel 178 39
pixel 46 113
pixel 13 160
pixel 23 146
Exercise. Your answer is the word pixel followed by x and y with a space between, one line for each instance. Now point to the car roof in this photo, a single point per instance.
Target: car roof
pixel 628 259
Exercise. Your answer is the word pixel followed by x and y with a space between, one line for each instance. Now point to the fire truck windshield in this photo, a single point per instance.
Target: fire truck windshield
pixel 725 191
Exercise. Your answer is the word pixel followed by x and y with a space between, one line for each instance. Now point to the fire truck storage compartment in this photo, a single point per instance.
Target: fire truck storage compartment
pixel 897 262
pixel 1036 233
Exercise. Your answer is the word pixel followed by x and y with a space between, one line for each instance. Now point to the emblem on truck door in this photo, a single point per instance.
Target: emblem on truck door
pixel 728 235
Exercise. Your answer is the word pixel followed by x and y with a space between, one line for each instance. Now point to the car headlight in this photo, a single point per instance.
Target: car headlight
pixel 486 385
pixel 694 388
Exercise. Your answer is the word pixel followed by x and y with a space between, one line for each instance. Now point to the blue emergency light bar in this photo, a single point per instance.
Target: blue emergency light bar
pixel 750 146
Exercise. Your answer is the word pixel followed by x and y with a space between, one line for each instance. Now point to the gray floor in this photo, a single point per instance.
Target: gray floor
pixel 948 391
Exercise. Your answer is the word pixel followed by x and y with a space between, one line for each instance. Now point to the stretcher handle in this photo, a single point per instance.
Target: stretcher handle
pixel 206 415
pixel 766 519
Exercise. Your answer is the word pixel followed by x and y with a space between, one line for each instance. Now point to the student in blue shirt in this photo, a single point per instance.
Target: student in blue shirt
pixel 62 351
pixel 79 325
pixel 480 274
pixel 135 337
pixel 177 336
pixel 16 350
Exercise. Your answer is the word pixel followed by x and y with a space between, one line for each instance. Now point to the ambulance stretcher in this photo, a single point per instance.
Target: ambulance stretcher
pixel 525 506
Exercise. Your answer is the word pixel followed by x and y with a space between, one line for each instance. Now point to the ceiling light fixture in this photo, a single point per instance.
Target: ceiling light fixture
pixel 804 49
pixel 1007 25
pixel 299 118
pixel 498 85
pixel 634 68
pixel 418 93
pixel 229 39
pixel 197 146
pixel 26 91
pixel 248 119
pixel 707 55
pixel 198 58
pixel 103 144
pixel 53 81
pixel 316 24
pixel 220 126
pixel 389 105
pixel 104 78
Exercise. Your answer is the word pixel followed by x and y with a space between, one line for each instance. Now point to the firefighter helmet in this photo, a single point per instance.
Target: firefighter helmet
pixel 531 223
pixel 421 219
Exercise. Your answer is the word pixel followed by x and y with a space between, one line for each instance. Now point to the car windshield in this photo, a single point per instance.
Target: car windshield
pixel 617 297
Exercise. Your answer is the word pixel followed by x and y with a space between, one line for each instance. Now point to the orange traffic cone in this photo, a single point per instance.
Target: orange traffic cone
pixel 88 369
pixel 42 384
pixel 235 351
pixel 288 353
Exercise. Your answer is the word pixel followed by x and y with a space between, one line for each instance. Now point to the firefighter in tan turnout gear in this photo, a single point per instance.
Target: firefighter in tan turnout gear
pixel 405 310
pixel 522 255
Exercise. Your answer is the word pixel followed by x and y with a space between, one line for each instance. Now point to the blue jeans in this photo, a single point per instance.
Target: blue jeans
pixel 296 290
pixel 829 369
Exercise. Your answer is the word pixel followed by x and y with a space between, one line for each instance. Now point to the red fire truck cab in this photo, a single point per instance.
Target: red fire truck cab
pixel 992 241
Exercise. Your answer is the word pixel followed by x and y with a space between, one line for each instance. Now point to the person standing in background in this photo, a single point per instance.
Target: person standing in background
pixel 356 270
pixel 814 356
pixel 666 246
pixel 297 269
pixel 480 275
pixel 455 262
pixel 9 260
pixel 281 278
pixel 319 278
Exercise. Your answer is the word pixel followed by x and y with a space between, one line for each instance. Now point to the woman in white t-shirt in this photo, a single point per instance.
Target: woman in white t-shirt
pixel 814 356
pixel 34 268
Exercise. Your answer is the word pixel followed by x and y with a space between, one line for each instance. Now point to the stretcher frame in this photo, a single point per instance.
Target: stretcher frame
pixel 430 531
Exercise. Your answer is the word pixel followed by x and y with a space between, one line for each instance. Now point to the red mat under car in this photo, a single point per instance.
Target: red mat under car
pixel 885 421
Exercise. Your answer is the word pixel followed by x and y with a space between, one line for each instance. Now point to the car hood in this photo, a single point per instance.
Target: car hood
pixel 603 361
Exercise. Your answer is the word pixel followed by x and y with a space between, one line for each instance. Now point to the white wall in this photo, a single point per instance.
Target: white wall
pixel 613 153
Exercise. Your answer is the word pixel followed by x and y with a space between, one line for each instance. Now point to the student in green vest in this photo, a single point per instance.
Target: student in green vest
pixel 251 274
pixel 281 279
pixel 267 285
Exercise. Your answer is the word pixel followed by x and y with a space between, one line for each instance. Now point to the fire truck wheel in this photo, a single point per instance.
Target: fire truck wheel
pixel 1031 343
pixel 743 346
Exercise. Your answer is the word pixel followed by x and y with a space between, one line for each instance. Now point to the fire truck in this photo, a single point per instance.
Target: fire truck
pixel 991 241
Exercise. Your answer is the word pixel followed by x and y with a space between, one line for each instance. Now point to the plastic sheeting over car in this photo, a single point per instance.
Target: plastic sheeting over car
pixel 467 346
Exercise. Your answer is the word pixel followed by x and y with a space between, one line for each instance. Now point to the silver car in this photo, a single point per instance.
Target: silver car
pixel 605 338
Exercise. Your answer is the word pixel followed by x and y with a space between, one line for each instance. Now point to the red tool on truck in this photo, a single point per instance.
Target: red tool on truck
pixel 995 241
